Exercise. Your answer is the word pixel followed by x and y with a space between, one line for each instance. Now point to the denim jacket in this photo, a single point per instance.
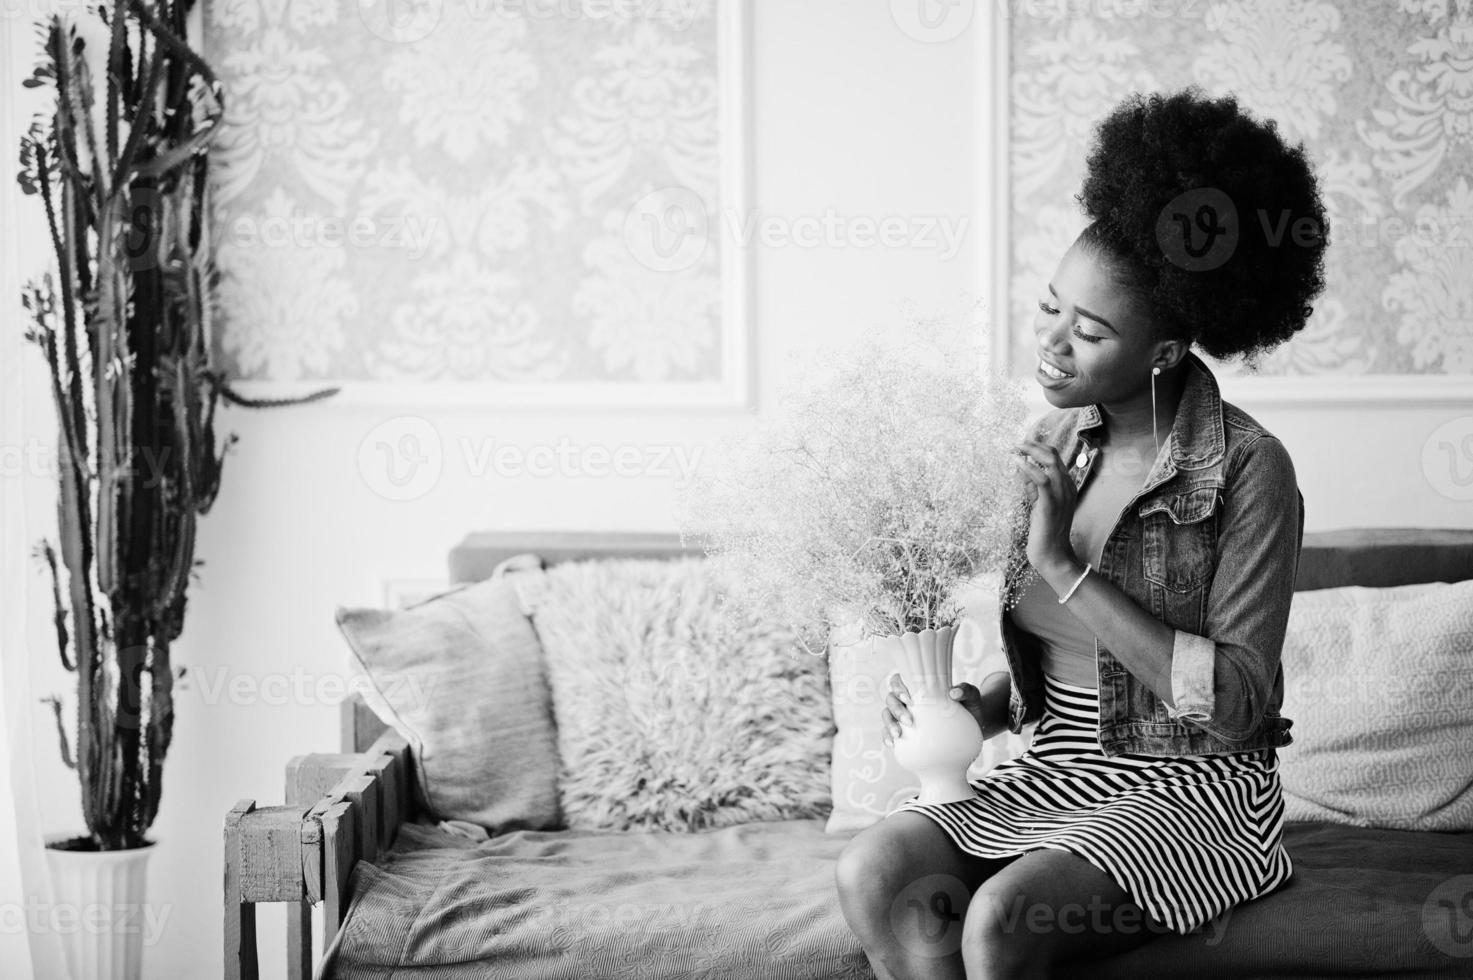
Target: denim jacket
pixel 1209 546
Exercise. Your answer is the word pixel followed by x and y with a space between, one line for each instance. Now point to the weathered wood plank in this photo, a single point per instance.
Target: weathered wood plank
pixel 312 855
pixel 269 856
pixel 339 847
pixel 240 915
pixel 389 773
pixel 309 777
pixel 364 793
pixel 299 941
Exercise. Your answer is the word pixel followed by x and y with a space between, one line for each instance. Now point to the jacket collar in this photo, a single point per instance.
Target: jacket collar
pixel 1196 438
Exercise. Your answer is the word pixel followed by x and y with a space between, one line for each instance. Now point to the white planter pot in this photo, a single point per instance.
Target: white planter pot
pixel 99 910
pixel 944 741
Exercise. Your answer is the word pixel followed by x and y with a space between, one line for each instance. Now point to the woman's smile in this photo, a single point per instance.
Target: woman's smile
pixel 1051 375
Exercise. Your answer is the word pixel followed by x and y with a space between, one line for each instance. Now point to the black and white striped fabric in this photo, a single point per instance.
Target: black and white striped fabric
pixel 1187 837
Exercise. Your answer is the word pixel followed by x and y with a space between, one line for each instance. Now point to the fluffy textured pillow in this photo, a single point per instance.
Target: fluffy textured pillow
pixel 460 676
pixel 675 711
pixel 1379 684
pixel 867 784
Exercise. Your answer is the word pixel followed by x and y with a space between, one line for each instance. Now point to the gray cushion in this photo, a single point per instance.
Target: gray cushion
pixel 759 900
pixel 1379 557
pixel 755 900
pixel 461 677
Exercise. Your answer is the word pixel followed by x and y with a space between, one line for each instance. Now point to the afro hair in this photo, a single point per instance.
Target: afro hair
pixel 1214 222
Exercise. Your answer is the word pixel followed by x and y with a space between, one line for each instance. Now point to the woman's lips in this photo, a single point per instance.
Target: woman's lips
pixel 1051 373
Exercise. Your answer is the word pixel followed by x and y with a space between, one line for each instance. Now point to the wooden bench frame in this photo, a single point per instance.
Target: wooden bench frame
pixel 340 808
pixel 346 807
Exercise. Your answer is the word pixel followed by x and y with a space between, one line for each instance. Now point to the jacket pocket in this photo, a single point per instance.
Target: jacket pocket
pixel 1179 538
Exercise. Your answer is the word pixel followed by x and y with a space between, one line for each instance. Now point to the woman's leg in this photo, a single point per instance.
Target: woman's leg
pixel 1045 907
pixel 904 888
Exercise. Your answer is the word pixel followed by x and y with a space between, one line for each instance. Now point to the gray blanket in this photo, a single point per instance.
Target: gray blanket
pixel 759 901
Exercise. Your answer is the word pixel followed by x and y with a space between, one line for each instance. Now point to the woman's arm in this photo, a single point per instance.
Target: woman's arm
pixel 1221 681
pixel 991 709
pixel 1141 642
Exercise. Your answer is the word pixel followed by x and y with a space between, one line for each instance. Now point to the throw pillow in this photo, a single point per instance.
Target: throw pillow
pixel 1379 684
pixel 460 676
pixel 676 710
pixel 867 783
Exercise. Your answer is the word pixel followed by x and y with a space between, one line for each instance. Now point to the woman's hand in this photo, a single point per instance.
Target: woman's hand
pixel 1052 494
pixel 897 708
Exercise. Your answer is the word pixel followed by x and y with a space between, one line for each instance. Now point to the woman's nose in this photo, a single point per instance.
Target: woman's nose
pixel 1051 332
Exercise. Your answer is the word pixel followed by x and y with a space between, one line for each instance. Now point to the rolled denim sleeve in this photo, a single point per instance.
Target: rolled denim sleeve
pixel 1193 662
pixel 1223 681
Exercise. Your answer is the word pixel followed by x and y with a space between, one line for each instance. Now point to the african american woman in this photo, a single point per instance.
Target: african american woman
pixel 1144 637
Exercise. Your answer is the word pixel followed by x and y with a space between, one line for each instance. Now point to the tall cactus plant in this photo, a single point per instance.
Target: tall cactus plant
pixel 120 166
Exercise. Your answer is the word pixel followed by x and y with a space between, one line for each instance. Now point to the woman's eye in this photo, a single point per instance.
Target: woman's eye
pixel 1047 309
pixel 1084 336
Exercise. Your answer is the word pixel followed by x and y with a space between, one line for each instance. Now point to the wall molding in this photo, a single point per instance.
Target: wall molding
pixel 994 178
pixel 737 389
pixel 1310 394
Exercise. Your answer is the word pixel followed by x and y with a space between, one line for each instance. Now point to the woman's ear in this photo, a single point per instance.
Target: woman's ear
pixel 1169 353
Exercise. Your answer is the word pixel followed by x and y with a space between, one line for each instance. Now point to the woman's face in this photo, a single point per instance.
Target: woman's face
pixel 1089 329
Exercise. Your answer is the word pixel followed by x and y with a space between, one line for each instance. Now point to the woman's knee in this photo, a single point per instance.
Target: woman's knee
pixel 905 893
pixel 996 937
pixel 902 866
pixel 1047 907
pixel 867 864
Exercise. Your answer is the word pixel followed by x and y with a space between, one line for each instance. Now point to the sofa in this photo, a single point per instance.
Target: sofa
pixel 663 799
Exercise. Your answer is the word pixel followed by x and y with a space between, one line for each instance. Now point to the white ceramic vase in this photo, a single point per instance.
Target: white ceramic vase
pixel 945 739
pixel 102 894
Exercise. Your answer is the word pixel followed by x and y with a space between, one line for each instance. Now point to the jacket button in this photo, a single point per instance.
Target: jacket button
pixel 1083 458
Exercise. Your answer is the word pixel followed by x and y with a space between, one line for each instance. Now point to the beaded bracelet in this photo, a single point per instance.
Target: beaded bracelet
pixel 1065 597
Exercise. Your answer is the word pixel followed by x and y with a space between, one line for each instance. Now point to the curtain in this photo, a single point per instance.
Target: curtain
pixel 16 878
pixel 32 780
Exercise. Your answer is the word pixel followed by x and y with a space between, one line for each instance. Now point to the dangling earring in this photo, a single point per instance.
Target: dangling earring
pixel 1154 433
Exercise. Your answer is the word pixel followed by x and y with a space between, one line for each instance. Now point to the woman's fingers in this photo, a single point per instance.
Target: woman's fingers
pixel 897 687
pixel 891 727
pixel 898 710
pixel 1041 463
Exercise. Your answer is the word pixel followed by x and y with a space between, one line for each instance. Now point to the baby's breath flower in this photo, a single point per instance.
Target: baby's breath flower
pixel 874 491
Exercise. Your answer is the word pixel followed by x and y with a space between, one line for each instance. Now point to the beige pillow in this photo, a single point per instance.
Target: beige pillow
pixel 676 711
pixel 867 784
pixel 1379 684
pixel 461 677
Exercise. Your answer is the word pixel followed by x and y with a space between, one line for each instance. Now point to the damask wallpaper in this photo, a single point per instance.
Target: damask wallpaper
pixel 469 191
pixel 1379 91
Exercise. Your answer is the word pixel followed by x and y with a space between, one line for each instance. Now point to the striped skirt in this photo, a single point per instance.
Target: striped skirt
pixel 1187 837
